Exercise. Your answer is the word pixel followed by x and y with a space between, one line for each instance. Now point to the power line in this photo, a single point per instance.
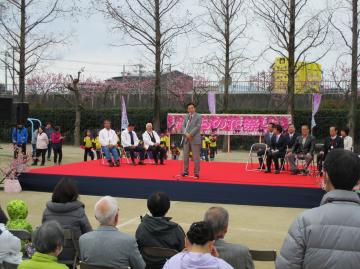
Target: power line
pixel 92 63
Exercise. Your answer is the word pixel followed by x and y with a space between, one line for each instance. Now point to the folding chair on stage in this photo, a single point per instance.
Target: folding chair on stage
pixel 103 160
pixel 300 161
pixel 253 154
pixel 149 158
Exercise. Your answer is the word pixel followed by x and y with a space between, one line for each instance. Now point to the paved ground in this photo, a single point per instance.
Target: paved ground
pixel 255 226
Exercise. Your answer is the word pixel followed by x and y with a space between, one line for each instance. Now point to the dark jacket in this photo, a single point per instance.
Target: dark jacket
pixel 70 216
pixel 3 217
pixel 159 232
pixel 291 141
pixel 308 147
pixel 330 144
pixel 325 237
pixel 267 138
pixel 279 145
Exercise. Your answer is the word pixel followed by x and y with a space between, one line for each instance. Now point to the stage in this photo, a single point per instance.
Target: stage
pixel 220 182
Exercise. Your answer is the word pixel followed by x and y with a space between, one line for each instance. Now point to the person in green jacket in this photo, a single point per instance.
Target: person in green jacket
pixel 48 241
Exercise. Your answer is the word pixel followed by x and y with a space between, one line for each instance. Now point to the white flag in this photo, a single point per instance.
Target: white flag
pixel 124 117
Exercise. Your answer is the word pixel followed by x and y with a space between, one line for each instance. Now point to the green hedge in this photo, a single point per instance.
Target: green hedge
pixel 92 119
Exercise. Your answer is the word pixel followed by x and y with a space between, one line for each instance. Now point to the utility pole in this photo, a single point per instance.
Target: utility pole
pixel 6 68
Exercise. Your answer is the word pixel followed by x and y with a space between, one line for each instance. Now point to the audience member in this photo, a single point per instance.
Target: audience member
pixel 328 236
pixel 48 241
pixel 277 150
pixel 33 142
pixel 130 143
pixel 108 140
pixel 332 142
pixel 42 142
pixel 49 130
pixel 67 210
pixel 238 256
pixel 10 246
pixel 98 146
pixel 205 147
pixel 213 145
pixel 88 145
pixel 107 246
pixel 57 141
pixel 303 149
pixel 19 138
pixel 291 136
pixel 175 151
pixel 152 144
pixel 200 250
pixel 158 230
pixel 348 141
pixel 267 140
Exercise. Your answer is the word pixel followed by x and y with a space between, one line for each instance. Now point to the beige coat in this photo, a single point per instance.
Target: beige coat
pixel 42 141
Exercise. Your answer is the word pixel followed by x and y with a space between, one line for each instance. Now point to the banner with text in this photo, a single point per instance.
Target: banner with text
pixel 230 124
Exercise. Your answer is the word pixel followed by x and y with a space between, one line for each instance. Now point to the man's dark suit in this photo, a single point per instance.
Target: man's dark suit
pixel 261 152
pixel 291 139
pixel 304 151
pixel 329 145
pixel 277 151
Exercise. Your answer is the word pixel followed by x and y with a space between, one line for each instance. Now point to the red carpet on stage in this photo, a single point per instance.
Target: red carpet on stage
pixel 211 172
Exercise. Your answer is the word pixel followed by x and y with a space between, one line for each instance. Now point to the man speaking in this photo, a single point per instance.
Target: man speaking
pixel 191 140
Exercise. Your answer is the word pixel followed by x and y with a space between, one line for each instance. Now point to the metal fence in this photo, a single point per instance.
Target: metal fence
pixel 236 87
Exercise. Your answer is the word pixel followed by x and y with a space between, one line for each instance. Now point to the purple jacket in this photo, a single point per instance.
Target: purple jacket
pixel 192 260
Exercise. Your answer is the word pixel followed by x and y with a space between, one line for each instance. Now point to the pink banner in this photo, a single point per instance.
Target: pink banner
pixel 230 124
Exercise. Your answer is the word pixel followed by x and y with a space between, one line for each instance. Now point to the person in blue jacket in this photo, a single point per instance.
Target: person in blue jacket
pixel 19 138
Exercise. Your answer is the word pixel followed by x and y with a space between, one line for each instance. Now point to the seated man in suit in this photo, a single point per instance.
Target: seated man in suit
pixel 107 246
pixel 303 149
pixel 267 141
pixel 152 143
pixel 277 150
pixel 130 143
pixel 238 256
pixel 291 136
pixel 332 142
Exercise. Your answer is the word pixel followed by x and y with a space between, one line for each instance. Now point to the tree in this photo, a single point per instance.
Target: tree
pixel 22 28
pixel 151 24
pixel 349 35
pixel 225 24
pixel 296 31
pixel 44 84
pixel 73 87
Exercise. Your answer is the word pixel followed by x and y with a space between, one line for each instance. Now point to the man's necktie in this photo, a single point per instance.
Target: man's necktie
pixel 132 138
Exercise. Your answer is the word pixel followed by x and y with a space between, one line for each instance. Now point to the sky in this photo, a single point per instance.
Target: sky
pixel 91 47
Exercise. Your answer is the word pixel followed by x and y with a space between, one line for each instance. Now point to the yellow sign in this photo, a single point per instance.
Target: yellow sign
pixel 307 78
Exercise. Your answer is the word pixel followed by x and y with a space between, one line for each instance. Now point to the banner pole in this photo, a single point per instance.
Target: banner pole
pixel 228 146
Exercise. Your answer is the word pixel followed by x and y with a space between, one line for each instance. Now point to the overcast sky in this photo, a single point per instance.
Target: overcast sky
pixel 91 47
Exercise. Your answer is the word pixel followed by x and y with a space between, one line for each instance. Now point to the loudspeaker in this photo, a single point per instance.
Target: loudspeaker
pixel 6 109
pixel 20 113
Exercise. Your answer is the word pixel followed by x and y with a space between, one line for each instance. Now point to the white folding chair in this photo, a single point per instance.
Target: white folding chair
pixel 253 154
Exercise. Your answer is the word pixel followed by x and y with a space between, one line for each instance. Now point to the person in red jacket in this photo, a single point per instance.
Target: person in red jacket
pixel 57 141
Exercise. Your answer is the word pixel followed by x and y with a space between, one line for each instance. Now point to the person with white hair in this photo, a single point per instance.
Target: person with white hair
pixel 107 246
pixel 152 144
